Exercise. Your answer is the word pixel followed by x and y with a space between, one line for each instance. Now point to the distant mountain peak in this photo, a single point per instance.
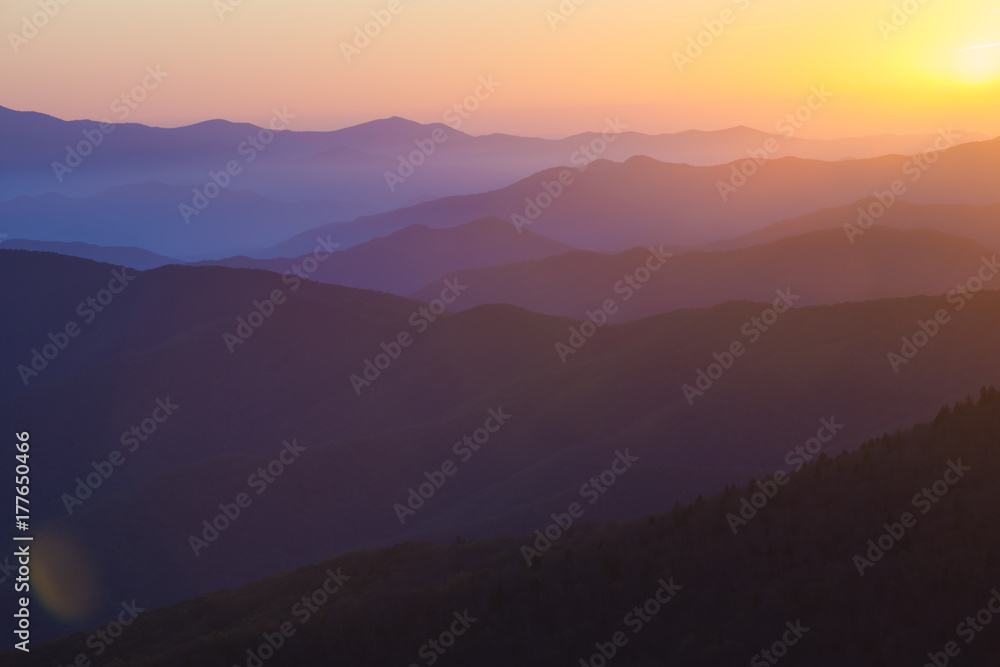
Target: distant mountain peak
pixel 490 222
pixel 391 121
pixel 215 124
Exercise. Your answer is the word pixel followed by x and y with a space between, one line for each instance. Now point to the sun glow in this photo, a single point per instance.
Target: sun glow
pixel 978 65
pixel 893 70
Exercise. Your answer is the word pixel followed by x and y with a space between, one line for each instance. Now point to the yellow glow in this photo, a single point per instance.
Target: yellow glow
pixel 891 71
pixel 978 65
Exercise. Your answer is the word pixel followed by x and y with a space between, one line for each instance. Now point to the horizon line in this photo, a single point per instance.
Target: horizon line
pixel 489 134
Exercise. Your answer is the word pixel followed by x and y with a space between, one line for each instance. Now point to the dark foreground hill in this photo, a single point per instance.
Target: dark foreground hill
pixel 884 556
pixel 666 389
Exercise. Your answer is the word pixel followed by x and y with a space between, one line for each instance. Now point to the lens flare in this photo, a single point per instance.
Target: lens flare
pixel 63 578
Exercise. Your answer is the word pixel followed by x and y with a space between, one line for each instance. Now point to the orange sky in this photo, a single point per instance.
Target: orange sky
pixel 557 76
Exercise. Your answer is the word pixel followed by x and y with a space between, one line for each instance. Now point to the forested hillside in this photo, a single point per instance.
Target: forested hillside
pixel 798 568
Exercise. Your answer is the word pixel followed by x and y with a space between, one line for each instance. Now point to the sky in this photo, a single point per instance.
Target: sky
pixel 558 67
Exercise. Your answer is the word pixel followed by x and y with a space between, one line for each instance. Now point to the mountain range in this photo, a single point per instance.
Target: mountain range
pixel 642 386
pixel 977 223
pixel 280 195
pixel 652 202
pixel 415 256
pixel 135 258
pixel 350 163
pixel 822 266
